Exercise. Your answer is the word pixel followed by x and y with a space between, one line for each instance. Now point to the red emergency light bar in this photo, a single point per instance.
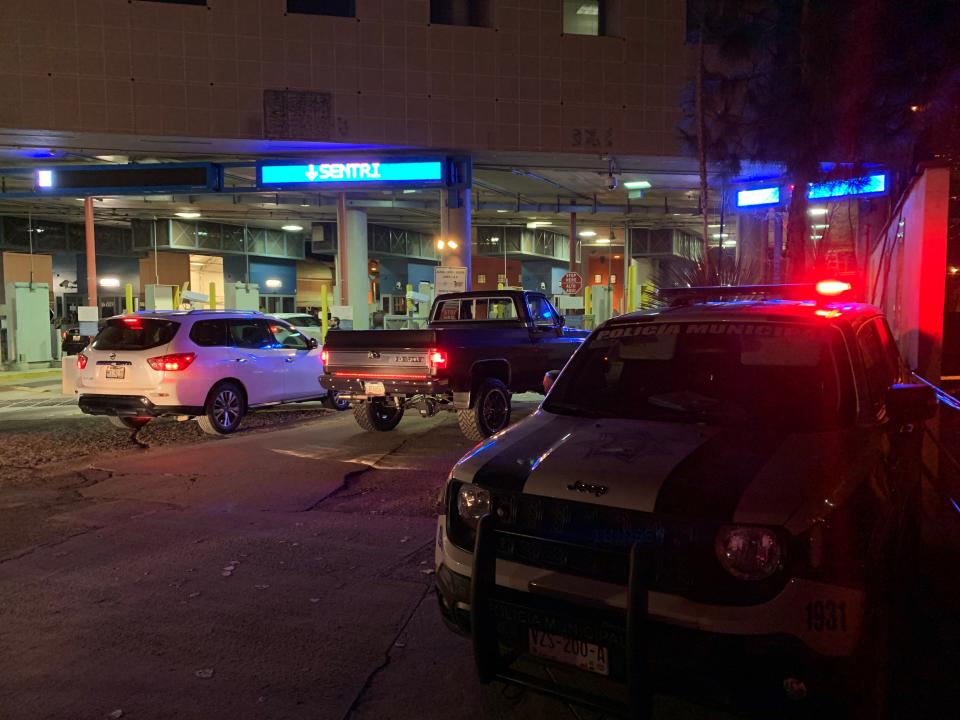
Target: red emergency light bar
pixel 787 291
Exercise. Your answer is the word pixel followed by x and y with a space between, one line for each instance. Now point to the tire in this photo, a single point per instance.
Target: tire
pixel 332 400
pixel 225 409
pixel 377 415
pixel 129 423
pixel 490 413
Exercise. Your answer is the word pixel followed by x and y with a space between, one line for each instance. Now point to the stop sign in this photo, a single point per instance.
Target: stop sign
pixel 571 283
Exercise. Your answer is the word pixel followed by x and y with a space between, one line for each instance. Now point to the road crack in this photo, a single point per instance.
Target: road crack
pixel 387 657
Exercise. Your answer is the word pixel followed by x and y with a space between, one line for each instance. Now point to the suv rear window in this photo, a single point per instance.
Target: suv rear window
pixel 135 333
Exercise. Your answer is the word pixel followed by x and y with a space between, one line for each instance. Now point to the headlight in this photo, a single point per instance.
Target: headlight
pixel 473 502
pixel 749 553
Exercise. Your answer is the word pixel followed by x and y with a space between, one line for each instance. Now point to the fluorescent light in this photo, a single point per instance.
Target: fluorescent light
pixel 587 233
pixel 293 228
pixel 817 211
pixel 110 282
pixel 603 241
pixel 452 244
pixel 273 283
pixel 637 185
pixel 188 215
pixel 502 211
pixel 408 191
pixel 441 244
pixel 718 236
pixel 494 239
pixel 538 224
pixel 45 178
pixel 821 226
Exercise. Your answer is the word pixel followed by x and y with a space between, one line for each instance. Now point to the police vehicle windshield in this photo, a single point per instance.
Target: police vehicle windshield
pixel 788 376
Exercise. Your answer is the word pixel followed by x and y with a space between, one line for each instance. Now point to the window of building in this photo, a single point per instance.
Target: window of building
pixel 584 17
pixel 478 13
pixel 337 8
pixel 481 279
pixel 179 2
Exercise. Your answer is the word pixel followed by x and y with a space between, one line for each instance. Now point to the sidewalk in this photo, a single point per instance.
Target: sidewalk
pixel 16 377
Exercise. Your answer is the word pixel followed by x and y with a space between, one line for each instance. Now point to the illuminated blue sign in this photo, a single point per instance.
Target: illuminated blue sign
pixel 353 173
pixel 759 196
pixel 842 188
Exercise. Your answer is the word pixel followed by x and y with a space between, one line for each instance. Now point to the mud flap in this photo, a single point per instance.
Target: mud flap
pixel 491 665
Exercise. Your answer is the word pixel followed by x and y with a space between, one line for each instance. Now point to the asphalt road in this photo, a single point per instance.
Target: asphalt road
pixel 280 574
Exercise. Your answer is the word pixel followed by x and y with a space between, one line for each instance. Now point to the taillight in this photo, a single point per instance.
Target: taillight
pixel 172 363
pixel 325 356
pixel 81 361
pixel 438 359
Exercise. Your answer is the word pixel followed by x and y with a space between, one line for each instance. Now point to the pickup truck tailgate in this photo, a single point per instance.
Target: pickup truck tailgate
pixel 380 353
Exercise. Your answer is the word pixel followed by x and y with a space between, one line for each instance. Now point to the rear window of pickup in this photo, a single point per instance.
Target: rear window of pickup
pixel 462 309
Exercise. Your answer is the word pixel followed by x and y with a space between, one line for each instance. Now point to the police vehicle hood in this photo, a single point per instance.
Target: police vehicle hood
pixel 723 474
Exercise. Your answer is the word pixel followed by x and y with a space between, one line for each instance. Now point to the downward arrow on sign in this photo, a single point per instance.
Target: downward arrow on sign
pixel 312 173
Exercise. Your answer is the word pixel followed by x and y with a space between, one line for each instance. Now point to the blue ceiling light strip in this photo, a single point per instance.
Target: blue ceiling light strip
pixel 758 197
pixel 867 185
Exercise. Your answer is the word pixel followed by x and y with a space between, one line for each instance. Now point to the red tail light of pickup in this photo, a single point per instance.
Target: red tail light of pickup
pixel 437 359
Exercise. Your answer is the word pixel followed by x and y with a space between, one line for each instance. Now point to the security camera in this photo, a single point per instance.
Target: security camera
pixel 612 183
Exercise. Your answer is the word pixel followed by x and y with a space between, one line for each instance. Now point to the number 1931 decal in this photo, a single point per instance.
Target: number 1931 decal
pixel 826 616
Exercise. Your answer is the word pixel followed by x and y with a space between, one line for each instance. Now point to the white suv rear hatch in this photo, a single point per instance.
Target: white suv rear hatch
pixel 117 360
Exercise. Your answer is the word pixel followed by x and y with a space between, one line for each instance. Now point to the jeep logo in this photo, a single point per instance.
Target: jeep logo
pixel 596 490
pixel 373 355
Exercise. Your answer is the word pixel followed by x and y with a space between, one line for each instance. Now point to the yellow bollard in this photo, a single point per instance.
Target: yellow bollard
pixel 631 287
pixel 128 300
pixel 176 297
pixel 409 299
pixel 324 323
pixel 213 296
pixel 587 298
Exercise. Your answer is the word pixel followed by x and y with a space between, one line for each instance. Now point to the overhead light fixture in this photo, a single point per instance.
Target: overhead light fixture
pixel 616 257
pixel 502 211
pixel 494 239
pixel 538 224
pixel 273 283
pixel 45 178
pixel 587 233
pixel 441 244
pixel 409 191
pixel 637 185
pixel 188 215
pixel 603 241
pixel 293 228
pixel 110 282
pixel 954 269
pixel 452 244
pixel 821 226
pixel 719 236
pixel 817 211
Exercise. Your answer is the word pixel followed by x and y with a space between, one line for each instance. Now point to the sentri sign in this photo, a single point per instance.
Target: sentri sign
pixel 350 173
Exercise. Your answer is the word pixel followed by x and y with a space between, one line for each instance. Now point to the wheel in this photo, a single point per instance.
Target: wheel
pixel 377 415
pixel 333 401
pixel 224 410
pixel 490 413
pixel 129 423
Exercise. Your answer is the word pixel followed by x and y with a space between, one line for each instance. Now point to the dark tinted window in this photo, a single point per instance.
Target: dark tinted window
pixel 340 8
pixel 210 333
pixel 250 334
pixel 879 364
pixel 462 12
pixel 135 333
pixel 287 337
pixel 304 321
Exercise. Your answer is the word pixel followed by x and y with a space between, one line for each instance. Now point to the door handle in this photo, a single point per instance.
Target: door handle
pixel 289 360
pixel 241 360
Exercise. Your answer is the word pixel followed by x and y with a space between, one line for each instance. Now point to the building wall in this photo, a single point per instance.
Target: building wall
pixel 388 75
pixel 16 267
pixel 169 268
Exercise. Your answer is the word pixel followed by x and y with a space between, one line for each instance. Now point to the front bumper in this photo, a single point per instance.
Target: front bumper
pixel 353 388
pixel 131 406
pixel 650 645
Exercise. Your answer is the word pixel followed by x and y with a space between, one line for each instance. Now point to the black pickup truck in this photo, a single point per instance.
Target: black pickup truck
pixel 478 348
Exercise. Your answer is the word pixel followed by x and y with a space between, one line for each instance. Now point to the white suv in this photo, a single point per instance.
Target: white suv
pixel 212 365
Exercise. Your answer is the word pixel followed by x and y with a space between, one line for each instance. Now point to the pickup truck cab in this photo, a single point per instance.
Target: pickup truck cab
pixel 478 349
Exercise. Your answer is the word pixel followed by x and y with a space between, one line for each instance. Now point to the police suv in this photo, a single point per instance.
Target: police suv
pixel 712 495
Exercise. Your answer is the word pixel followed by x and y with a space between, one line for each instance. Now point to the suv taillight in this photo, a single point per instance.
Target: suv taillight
pixel 324 357
pixel 81 361
pixel 172 363
pixel 437 359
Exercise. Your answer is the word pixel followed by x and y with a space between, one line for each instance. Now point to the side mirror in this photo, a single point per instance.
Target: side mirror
pixel 313 343
pixel 910 403
pixel 561 320
pixel 549 379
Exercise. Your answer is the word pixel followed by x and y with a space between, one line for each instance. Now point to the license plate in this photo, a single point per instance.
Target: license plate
pixel 116 372
pixel 374 388
pixel 578 653
pixel 76 338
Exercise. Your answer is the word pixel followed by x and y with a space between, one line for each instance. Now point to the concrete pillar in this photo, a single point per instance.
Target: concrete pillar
pixel 572 264
pixel 91 252
pixel 455 224
pixel 352 251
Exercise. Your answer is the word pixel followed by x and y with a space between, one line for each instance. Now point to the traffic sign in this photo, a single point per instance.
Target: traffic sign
pixel 571 283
